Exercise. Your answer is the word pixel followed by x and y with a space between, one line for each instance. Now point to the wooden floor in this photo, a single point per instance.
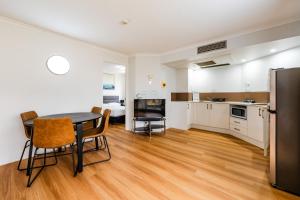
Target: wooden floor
pixel 177 165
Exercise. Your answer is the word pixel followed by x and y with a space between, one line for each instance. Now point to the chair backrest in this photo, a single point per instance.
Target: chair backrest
pixel 105 120
pixel 52 133
pixel 25 116
pixel 96 110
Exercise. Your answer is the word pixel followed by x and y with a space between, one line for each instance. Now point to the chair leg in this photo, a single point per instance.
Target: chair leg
pixel 29 182
pixel 101 143
pixel 55 156
pixel 95 149
pixel 108 151
pixel 106 145
pixel 20 161
pixel 21 158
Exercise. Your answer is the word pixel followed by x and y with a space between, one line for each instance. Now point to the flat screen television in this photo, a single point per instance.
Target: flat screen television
pixel 149 108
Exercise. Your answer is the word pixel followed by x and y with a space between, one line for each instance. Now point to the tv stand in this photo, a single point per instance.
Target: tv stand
pixel 148 126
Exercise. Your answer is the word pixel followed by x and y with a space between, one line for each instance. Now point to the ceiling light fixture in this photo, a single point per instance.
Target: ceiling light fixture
pixel 273 50
pixel 244 60
pixel 58 65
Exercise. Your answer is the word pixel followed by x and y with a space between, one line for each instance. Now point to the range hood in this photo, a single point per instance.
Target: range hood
pixel 219 61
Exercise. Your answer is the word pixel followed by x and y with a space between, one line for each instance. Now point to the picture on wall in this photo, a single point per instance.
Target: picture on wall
pixel 108 81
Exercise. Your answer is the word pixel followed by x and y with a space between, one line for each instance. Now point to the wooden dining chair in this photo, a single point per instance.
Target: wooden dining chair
pixel 90 125
pixel 51 134
pixel 27 130
pixel 99 132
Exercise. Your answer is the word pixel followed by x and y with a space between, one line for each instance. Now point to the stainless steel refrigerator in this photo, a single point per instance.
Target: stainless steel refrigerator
pixel 285 129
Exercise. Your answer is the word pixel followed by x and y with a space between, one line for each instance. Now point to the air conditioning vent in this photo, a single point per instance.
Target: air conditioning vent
pixel 212 47
pixel 206 63
pixel 217 65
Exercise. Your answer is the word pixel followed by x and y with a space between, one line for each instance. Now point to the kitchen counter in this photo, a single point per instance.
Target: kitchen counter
pixel 234 103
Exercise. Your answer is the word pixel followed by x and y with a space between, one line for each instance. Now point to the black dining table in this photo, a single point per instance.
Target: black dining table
pixel 77 119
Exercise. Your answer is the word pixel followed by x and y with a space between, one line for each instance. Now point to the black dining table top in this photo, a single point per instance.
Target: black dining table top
pixel 78 117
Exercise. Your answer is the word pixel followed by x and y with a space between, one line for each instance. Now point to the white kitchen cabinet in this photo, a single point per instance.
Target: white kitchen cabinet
pixel 216 117
pixel 201 114
pixel 211 114
pixel 255 118
pixel 219 117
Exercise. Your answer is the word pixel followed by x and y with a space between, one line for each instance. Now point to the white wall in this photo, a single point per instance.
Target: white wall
pixel 119 87
pixel 182 82
pixel 250 77
pixel 26 84
pixel 139 68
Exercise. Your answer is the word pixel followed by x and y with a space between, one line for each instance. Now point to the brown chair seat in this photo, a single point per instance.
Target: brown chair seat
pixel 99 133
pixel 51 134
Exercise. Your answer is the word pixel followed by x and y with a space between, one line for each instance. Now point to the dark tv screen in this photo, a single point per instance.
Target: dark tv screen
pixel 154 108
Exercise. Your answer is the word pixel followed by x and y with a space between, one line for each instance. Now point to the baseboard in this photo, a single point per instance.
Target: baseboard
pixel 212 129
pixel 229 132
pixel 249 140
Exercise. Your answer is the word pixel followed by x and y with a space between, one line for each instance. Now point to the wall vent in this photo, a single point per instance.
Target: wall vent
pixel 212 47
pixel 216 65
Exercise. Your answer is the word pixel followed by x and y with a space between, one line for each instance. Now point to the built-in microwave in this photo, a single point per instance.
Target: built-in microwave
pixel 238 111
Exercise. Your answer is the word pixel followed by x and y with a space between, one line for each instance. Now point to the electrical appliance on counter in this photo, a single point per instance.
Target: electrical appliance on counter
pixel 249 101
pixel 238 111
pixel 218 99
pixel 284 111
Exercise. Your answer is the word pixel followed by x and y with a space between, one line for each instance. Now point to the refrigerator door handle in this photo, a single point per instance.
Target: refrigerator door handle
pixel 272 89
pixel 273 148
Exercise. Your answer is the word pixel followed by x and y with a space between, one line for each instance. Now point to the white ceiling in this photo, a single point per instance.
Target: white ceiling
pixel 246 54
pixel 155 26
pixel 254 52
pixel 240 55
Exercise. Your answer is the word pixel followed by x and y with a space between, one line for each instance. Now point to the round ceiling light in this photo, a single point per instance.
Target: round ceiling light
pixel 58 65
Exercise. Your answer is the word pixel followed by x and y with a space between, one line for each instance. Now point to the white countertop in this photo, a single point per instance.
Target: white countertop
pixel 235 103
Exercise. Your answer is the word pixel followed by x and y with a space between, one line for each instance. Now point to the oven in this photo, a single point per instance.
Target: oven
pixel 238 111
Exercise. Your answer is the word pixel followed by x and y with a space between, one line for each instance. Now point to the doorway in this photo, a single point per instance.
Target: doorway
pixel 114 91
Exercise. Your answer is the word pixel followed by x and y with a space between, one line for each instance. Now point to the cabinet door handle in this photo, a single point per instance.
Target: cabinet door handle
pixel 237 129
pixel 211 106
pixel 259 112
pixel 236 122
pixel 188 106
pixel 262 114
pixel 207 106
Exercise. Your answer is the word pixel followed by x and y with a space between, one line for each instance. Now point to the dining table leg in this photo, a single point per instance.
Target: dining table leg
pixel 79 147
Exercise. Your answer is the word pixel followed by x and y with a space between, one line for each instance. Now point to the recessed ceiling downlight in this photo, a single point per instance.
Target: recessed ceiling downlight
pixel 58 65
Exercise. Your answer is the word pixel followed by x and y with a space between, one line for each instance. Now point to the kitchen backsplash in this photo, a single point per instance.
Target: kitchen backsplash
pixel 259 97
